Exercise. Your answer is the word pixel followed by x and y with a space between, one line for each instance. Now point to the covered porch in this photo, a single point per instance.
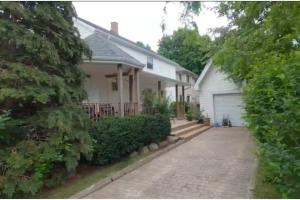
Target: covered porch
pixel 115 90
pixel 112 89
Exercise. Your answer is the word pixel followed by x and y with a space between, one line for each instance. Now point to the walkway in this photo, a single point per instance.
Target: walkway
pixel 219 163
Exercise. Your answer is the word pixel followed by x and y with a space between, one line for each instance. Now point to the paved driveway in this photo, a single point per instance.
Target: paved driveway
pixel 219 163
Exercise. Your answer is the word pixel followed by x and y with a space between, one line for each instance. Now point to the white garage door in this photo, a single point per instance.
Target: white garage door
pixel 228 105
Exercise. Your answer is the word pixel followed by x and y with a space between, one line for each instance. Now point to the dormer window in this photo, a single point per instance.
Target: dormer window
pixel 149 62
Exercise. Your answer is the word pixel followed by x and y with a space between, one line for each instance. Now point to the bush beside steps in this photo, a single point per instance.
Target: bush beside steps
pixel 116 138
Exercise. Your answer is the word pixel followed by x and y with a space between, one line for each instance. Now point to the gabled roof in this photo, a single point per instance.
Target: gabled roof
pixel 203 74
pixel 105 50
pixel 123 41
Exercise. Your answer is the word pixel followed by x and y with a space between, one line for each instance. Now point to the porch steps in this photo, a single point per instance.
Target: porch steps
pixel 183 125
pixel 194 133
pixel 188 130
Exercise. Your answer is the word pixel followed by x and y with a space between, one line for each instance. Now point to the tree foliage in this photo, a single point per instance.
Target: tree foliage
pixel 186 47
pixel 42 127
pixel 190 9
pixel 141 44
pixel 261 48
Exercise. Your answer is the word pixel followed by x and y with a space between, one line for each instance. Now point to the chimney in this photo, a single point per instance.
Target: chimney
pixel 114 27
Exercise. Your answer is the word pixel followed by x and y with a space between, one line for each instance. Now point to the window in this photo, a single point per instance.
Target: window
pixel 187 78
pixel 149 62
pixel 188 98
pixel 180 78
pixel 114 86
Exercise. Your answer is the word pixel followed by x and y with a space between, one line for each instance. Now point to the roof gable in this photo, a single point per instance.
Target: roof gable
pixel 105 50
pixel 203 74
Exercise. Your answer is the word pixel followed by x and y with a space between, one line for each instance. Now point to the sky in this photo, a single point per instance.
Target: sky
pixel 140 21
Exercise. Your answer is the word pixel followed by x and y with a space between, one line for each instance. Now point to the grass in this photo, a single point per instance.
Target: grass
pixel 263 189
pixel 87 176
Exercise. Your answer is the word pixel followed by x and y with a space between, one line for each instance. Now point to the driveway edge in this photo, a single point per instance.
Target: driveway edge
pixel 103 182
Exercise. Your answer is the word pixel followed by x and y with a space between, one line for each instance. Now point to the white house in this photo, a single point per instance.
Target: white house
pixel 219 97
pixel 120 71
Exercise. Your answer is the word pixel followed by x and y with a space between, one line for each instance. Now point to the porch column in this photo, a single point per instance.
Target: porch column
pixel 176 97
pixel 137 89
pixel 120 88
pixel 159 88
pixel 131 96
pixel 182 89
pixel 183 102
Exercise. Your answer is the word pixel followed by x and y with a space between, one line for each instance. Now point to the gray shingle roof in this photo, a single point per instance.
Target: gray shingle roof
pixel 105 50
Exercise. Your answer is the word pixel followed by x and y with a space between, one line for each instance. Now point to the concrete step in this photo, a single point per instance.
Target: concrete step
pixel 191 134
pixel 186 129
pixel 181 126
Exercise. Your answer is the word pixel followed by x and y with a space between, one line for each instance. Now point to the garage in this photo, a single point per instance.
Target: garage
pixel 228 106
pixel 219 96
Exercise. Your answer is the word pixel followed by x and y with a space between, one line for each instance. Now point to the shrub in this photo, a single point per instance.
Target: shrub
pixel 272 100
pixel 155 103
pixel 189 115
pixel 115 137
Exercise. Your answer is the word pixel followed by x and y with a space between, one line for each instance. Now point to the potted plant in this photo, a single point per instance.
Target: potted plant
pixel 206 121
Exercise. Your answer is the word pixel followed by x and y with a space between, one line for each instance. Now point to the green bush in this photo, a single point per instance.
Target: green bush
pixel 155 103
pixel 189 115
pixel 272 100
pixel 115 138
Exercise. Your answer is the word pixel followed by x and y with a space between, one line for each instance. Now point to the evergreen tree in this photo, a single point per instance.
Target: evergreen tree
pixel 43 130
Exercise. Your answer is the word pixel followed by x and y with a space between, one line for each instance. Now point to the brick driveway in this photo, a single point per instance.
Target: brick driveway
pixel 216 164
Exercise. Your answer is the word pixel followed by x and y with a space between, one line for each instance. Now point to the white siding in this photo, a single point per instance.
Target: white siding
pixel 214 82
pixel 159 67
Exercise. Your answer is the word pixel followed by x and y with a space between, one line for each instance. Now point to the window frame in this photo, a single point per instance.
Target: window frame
pixel 150 64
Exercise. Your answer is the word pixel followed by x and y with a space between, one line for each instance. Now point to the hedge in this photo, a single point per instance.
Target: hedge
pixel 272 100
pixel 115 137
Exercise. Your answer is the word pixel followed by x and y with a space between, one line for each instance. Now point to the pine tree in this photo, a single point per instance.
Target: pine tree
pixel 41 87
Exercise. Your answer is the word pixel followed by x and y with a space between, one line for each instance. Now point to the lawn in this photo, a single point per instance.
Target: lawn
pixel 86 176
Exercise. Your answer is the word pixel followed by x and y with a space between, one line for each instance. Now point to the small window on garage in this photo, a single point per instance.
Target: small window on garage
pixel 149 62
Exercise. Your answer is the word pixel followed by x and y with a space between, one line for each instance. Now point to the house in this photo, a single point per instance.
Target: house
pixel 219 97
pixel 120 71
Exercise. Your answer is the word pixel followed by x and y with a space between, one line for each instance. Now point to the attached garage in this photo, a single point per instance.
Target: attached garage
pixel 219 97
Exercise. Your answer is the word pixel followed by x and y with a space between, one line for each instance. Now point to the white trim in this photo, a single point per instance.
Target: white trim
pixel 112 62
pixel 203 74
pixel 166 78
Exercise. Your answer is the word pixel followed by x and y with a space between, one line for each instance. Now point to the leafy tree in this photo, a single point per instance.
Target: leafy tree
pixel 261 47
pixel 190 9
pixel 41 85
pixel 141 44
pixel 186 47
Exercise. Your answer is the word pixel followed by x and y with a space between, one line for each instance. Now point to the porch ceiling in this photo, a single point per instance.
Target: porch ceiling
pixel 169 82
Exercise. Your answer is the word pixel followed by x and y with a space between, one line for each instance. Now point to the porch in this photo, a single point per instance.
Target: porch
pixel 115 90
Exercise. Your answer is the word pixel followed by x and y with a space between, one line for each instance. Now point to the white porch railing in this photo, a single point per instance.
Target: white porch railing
pixel 96 111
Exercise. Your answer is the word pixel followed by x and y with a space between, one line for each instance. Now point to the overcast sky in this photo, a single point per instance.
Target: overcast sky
pixel 140 21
